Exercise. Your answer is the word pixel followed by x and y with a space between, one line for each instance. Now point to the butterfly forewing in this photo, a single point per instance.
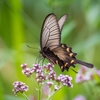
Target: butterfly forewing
pixel 50 33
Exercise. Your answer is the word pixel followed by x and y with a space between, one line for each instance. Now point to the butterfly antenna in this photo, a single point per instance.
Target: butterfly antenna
pixel 32 47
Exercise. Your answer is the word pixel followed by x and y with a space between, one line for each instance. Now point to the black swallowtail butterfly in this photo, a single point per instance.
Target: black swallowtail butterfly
pixel 51 46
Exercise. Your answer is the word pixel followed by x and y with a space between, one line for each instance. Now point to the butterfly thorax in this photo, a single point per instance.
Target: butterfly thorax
pixel 47 53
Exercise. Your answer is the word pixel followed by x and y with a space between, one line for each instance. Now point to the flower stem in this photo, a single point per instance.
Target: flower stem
pixel 38 88
pixel 49 98
pixel 34 81
pixel 25 96
pixel 39 92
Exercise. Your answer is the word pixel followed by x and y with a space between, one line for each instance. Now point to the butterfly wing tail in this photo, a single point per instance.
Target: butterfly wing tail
pixel 84 63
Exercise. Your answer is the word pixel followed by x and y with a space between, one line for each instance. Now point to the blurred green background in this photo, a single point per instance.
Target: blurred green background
pixel 20 25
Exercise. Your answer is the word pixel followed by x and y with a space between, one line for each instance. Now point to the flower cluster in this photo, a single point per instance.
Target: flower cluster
pixel 98 73
pixel 19 87
pixel 65 79
pixel 46 74
pixel 84 75
pixel 27 71
pixel 79 97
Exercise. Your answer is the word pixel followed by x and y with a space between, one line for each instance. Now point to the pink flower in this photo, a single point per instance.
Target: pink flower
pixel 79 97
pixel 84 75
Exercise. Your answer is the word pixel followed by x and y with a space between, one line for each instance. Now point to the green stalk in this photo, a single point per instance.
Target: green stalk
pixel 39 92
pixel 25 96
pixel 49 98
pixel 38 88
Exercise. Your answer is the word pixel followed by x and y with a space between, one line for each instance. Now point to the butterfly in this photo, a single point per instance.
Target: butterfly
pixel 51 46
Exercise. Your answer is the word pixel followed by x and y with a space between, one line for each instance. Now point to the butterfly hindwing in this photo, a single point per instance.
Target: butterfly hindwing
pixel 66 56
